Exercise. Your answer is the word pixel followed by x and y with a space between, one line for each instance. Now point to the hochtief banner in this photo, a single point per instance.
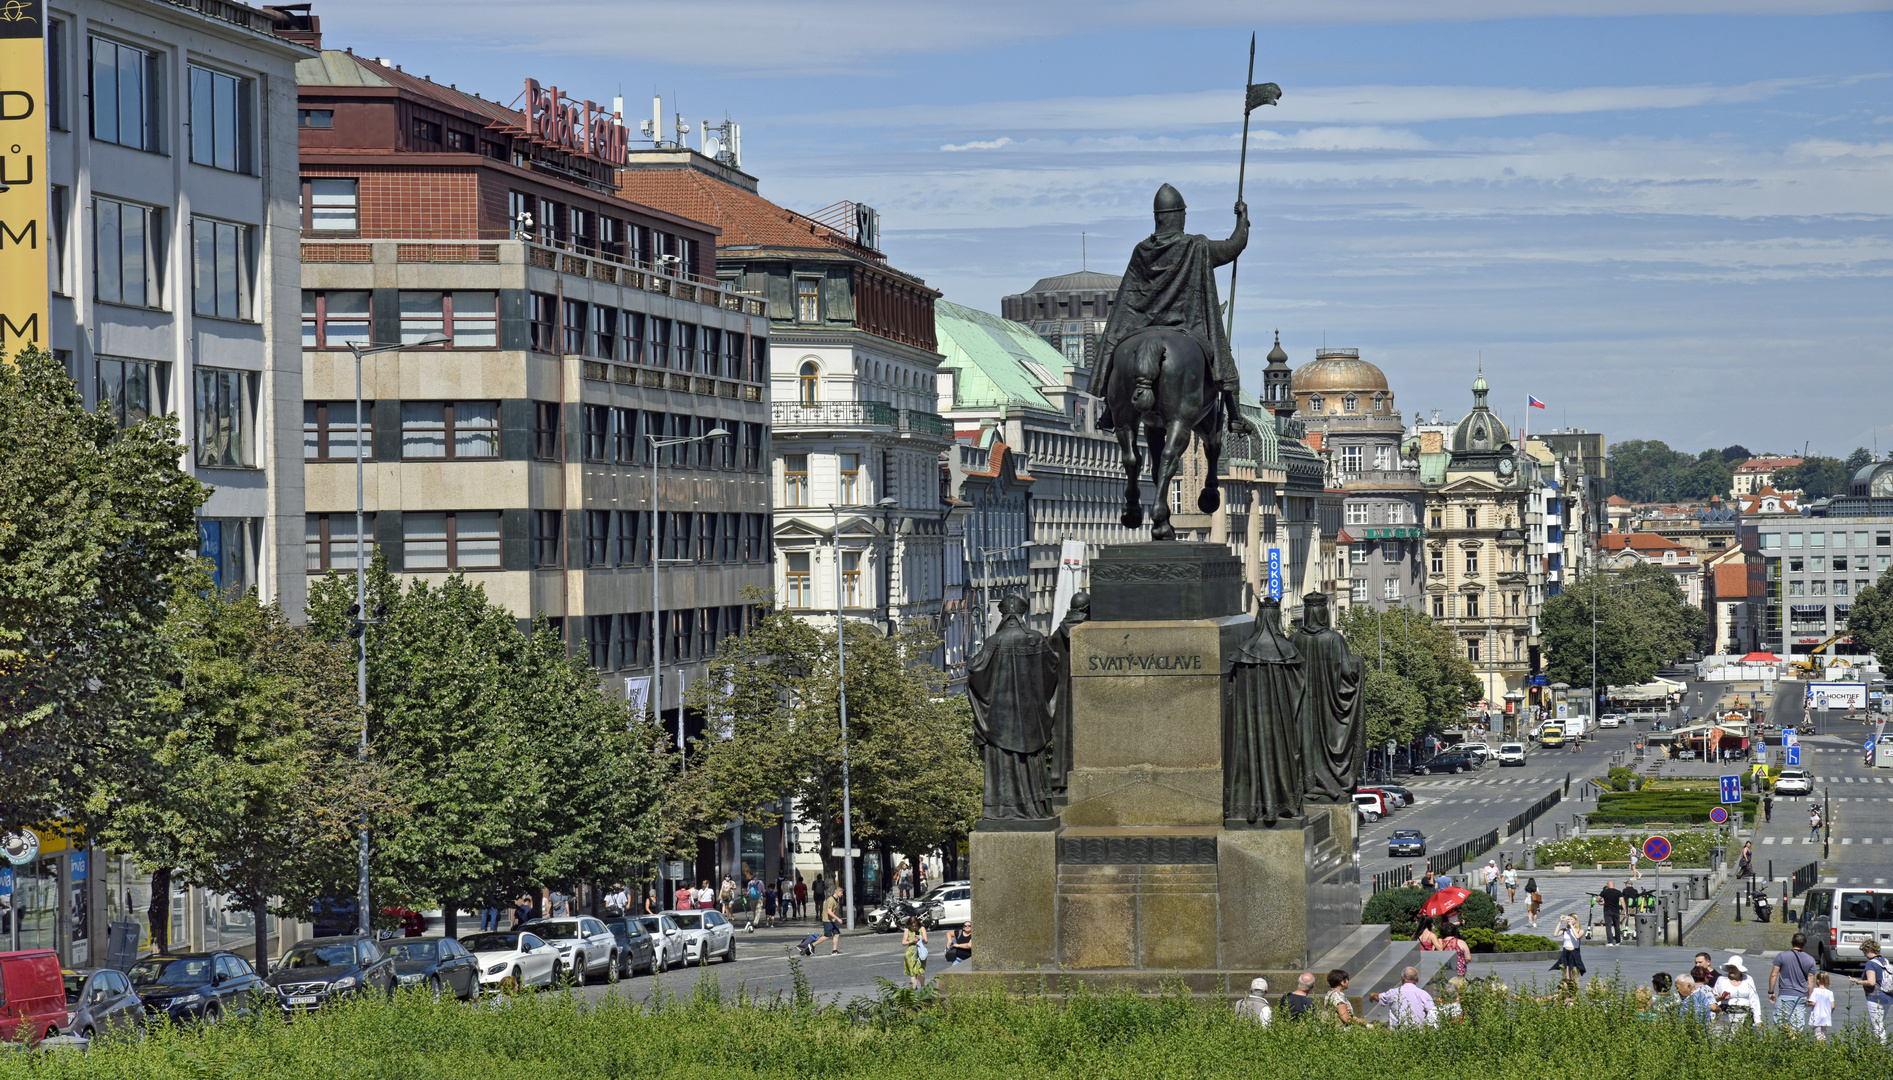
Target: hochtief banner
pixel 23 202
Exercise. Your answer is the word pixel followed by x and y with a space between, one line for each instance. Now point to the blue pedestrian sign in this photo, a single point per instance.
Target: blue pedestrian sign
pixel 1731 789
pixel 1275 573
pixel 1792 755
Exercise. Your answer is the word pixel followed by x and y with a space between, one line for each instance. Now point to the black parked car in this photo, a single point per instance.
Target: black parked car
pixel 316 971
pixel 200 986
pixel 1453 761
pixel 636 951
pixel 439 965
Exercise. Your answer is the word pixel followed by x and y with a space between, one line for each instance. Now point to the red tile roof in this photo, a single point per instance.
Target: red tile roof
pixel 1638 541
pixel 1767 464
pixel 747 219
pixel 1342 537
pixel 1616 500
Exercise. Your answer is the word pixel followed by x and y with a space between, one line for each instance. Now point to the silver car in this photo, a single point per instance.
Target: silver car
pixel 586 948
pixel 667 941
pixel 100 1000
pixel 707 935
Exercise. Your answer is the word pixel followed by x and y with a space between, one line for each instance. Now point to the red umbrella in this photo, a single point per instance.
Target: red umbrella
pixel 1444 901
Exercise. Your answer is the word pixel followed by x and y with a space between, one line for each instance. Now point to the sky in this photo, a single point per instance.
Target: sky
pixel 1667 219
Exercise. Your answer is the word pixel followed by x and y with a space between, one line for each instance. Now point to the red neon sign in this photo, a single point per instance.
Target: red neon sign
pixel 579 126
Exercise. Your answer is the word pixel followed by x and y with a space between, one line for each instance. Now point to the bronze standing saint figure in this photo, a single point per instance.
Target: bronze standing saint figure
pixel 1080 611
pixel 1262 739
pixel 1333 720
pixel 1011 681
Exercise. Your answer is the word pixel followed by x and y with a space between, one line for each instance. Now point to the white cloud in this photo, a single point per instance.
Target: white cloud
pixel 1829 149
pixel 989 144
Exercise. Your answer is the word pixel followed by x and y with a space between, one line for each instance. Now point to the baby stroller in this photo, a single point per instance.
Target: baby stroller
pixel 807 945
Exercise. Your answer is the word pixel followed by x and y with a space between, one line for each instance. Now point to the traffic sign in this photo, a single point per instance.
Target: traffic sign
pixel 1793 755
pixel 1657 848
pixel 1789 737
pixel 1732 789
pixel 1719 815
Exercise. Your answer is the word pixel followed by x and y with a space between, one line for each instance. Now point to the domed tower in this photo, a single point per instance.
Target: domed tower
pixel 1278 394
pixel 1480 438
pixel 1340 383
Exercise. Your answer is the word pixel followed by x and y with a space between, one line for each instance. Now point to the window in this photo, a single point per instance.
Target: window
pixel 597 538
pixel 224 256
pixel 1351 404
pixel 1514 603
pixel 331 204
pixel 733 350
pixel 808 300
pixel 686 346
pixel 129 253
pixel 1817 539
pixel 752 446
pixel 457 540
pixel 1439 607
pixel 1357 513
pixel 732 538
pixel 850 467
pixel 683 633
pixel 1357 553
pixel 575 327
pixel 546 527
pixel 1358 591
pixel 659 345
pixel 634 548
pixel 315 118
pixel 1472 517
pixel 332 319
pixel 220 120
pixel 597 432
pixel 450 429
pixel 851 579
pixel 330 433
pixel 1794 540
pixel 1472 562
pixel 1797 588
pixel 795 479
pixel 1472 649
pixel 226 406
pixel 1840 587
pixel 598 647
pixel 125 96
pixel 1438 561
pixel 1840 562
pixel 676 542
pixel 1350 458
pixel 632 325
pixel 755 538
pixel 331 541
pixel 604 332
pixel 707 548
pixel 1380 405
pixel 545 315
pixel 807 383
pixel 1817 588
pixel 1796 564
pixel 472 319
pixel 624 436
pixel 1435 519
pixel 545 430
pixel 129 390
pixel 1315 405
pixel 459 142
pixel 426 131
pixel 56 75
pixel 758 359
pixel 799 593
pixel 1390 589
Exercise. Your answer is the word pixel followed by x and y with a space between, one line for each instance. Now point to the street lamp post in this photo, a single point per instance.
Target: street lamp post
pixel 841 694
pixel 358 617
pixel 657 563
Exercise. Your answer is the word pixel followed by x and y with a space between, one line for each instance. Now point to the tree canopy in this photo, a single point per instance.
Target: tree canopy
pixel 1643 624
pixel 1870 619
pixel 1419 679
pixel 1819 477
pixel 97 529
pixel 1649 471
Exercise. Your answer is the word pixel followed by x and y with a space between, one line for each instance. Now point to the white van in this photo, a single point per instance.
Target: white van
pixel 1837 920
pixel 1370 806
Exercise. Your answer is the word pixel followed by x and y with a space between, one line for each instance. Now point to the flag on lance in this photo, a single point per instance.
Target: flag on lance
pixel 1533 402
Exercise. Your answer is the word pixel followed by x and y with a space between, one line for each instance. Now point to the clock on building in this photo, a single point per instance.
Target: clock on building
pixel 1505 466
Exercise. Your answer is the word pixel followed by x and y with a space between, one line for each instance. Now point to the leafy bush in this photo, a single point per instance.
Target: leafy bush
pixel 1400 910
pixel 1679 806
pixel 1489 941
pixel 967 1034
pixel 1622 779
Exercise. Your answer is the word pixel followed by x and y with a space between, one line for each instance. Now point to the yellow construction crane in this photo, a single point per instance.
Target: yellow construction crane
pixel 1816 662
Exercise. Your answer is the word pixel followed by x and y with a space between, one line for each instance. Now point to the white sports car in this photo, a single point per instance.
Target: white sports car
pixel 513 959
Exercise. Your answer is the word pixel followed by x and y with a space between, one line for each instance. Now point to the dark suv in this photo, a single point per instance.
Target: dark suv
pixel 1453 761
pixel 199 986
pixel 315 972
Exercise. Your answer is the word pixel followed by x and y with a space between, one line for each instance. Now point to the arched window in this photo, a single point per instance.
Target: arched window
pixel 1314 404
pixel 1351 404
pixel 808 381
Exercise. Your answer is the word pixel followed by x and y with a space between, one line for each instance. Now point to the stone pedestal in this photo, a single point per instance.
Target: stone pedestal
pixel 1141 883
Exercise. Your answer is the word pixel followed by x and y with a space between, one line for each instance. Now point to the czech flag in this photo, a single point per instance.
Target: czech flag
pixel 1534 402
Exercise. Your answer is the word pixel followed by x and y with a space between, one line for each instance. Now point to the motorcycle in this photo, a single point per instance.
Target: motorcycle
pixel 893 914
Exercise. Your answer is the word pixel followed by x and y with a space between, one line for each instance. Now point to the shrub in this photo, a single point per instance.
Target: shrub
pixel 1489 941
pixel 1686 848
pixel 1679 806
pixel 1400 910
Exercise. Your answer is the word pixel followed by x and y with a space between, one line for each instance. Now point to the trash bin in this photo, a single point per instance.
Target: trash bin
pixel 1698 887
pixel 1647 929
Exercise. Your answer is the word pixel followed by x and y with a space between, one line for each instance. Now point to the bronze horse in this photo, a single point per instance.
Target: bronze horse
pixel 1161 386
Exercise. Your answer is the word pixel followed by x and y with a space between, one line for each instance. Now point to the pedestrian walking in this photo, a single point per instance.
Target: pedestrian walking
pixel 1814 825
pixel 1612 899
pixel 821 893
pixel 1876 979
pixel 1300 1001
pixel 685 898
pixel 522 909
pixel 1746 867
pixel 771 901
pixel 1636 853
pixel 618 900
pixel 1510 877
pixel 1462 952
pixel 913 939
pixel 1534 902
pixel 831 920
pixel 1256 1006
pixel 1491 875
pixel 801 897
pixel 1737 1001
pixel 650 902
pixel 1429 881
pixel 1820 1006
pixel 1570 948
pixel 1788 985
pixel 754 903
pixel 1768 807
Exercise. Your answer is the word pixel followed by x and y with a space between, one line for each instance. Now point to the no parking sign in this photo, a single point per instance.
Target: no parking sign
pixel 1657 848
pixel 1719 815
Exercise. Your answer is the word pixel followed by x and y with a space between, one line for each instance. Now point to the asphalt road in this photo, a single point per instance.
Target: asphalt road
pixel 762 968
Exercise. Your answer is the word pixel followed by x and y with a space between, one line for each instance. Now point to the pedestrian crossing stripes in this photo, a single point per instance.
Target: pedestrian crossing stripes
pixel 1807 840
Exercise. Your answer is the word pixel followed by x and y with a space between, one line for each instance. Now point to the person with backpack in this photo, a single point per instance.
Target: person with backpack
pixel 1876 979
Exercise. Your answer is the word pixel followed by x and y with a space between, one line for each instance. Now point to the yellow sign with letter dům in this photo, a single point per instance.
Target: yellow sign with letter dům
pixel 23 190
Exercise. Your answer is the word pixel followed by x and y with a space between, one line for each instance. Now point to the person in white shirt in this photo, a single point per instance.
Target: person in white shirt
pixel 1256 1006
pixel 1820 1006
pixel 1737 1000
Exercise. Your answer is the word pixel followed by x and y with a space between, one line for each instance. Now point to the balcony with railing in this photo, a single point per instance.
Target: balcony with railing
pixel 578 259
pixel 859 414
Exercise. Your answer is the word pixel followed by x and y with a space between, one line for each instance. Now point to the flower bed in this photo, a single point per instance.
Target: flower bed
pixel 1689 849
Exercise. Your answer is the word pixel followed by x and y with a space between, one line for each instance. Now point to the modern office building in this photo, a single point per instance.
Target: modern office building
pixel 1068 311
pixel 582 330
pixel 1812 568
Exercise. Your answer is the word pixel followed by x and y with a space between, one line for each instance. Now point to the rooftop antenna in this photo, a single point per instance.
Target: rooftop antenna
pixel 1084 255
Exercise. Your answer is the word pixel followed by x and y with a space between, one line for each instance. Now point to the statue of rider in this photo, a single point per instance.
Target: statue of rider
pixel 1171 282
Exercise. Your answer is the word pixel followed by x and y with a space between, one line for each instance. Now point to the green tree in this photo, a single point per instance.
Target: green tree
pixel 1708 475
pixel 1859 459
pixel 1643 624
pixel 1870 619
pixel 773 733
pixel 252 776
pixel 97 527
pixel 1736 454
pixel 1646 470
pixel 1422 664
pixel 1816 477
pixel 517 767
